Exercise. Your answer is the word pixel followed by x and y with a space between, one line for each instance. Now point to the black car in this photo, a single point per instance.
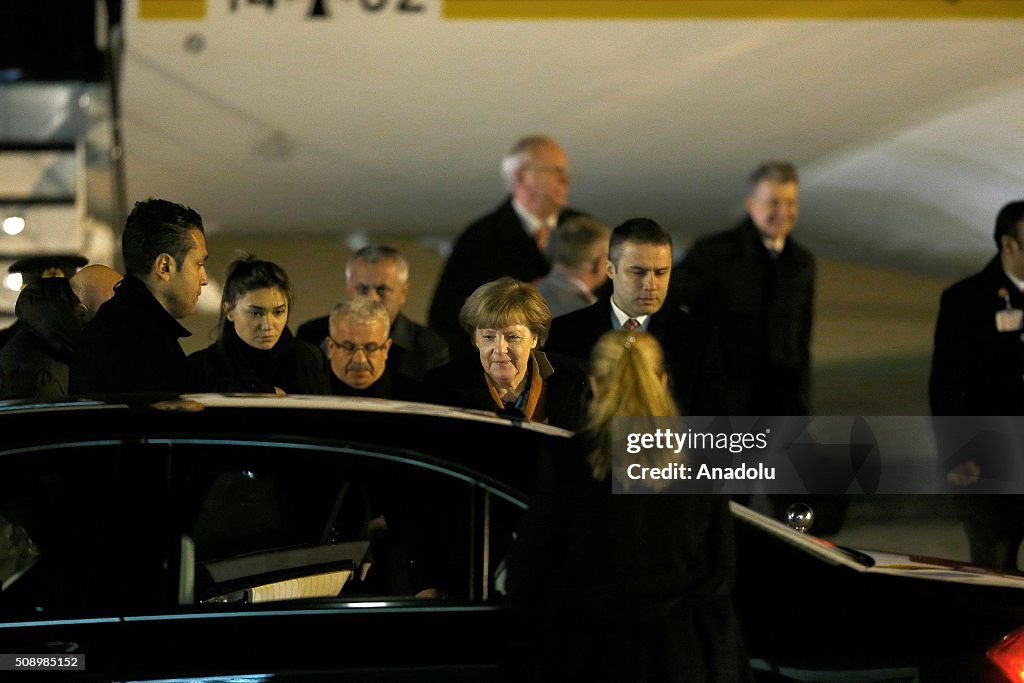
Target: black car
pixel 250 538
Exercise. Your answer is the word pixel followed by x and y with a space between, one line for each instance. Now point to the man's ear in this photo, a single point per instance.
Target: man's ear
pixel 520 172
pixel 611 269
pixel 164 266
pixel 82 312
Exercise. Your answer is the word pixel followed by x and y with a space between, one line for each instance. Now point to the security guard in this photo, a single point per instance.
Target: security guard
pixel 36 267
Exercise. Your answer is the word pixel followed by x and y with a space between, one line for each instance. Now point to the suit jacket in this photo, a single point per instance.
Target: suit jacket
pixel 976 369
pixel 415 348
pixel 491 247
pixel 690 347
pixel 562 294
pixel 463 384
pixel 763 308
pixel 131 346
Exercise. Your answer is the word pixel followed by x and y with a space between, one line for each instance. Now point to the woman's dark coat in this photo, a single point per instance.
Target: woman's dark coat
pixel 231 365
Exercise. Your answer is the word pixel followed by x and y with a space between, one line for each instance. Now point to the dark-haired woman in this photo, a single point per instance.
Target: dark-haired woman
pixel 255 351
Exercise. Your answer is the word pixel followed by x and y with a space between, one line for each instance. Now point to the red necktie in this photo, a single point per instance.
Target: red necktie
pixel 631 324
pixel 541 237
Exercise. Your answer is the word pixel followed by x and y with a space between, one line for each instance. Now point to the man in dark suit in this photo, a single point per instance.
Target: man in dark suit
pixel 511 240
pixel 640 268
pixel 978 369
pixel 382 273
pixel 132 343
pixel 755 284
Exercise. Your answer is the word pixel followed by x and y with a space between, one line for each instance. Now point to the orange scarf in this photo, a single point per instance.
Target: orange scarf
pixel 536 388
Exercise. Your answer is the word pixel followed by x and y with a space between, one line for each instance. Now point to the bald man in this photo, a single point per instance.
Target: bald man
pixel 511 240
pixel 94 286
pixel 52 312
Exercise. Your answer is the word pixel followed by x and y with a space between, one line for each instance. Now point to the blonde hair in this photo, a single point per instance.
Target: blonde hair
pixel 503 302
pixel 627 367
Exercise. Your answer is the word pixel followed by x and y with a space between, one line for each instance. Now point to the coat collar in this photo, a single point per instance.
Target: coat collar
pixel 133 290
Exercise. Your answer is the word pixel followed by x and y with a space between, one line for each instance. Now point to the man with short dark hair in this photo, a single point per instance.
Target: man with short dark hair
pixel 640 268
pixel 511 240
pixel 579 265
pixel 382 273
pixel 978 369
pixel 132 343
pixel 755 284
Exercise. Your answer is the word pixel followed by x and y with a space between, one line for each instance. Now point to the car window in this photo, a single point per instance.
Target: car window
pixel 113 527
pixel 80 530
pixel 291 514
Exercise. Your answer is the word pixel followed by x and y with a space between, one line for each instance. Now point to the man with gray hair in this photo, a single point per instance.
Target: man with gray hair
pixel 512 239
pixel 579 265
pixel 382 273
pixel 756 285
pixel 358 346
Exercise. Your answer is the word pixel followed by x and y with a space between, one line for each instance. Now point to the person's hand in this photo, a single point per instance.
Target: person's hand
pixel 964 474
pixel 364 569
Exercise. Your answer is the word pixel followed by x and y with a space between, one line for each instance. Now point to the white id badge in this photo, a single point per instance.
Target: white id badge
pixel 1009 320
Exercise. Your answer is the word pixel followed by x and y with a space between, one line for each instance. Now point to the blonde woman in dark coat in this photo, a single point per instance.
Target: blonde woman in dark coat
pixel 625 587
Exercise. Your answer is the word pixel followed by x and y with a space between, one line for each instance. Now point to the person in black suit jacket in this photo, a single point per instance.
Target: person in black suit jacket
pixel 511 240
pixel 640 268
pixel 977 369
pixel 755 284
pixel 382 273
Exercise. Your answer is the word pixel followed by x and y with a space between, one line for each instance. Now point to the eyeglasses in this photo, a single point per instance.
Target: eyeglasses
pixel 557 170
pixel 352 349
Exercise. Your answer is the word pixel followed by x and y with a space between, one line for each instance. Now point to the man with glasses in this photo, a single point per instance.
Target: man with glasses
pixel 511 240
pixel 382 273
pixel 358 346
